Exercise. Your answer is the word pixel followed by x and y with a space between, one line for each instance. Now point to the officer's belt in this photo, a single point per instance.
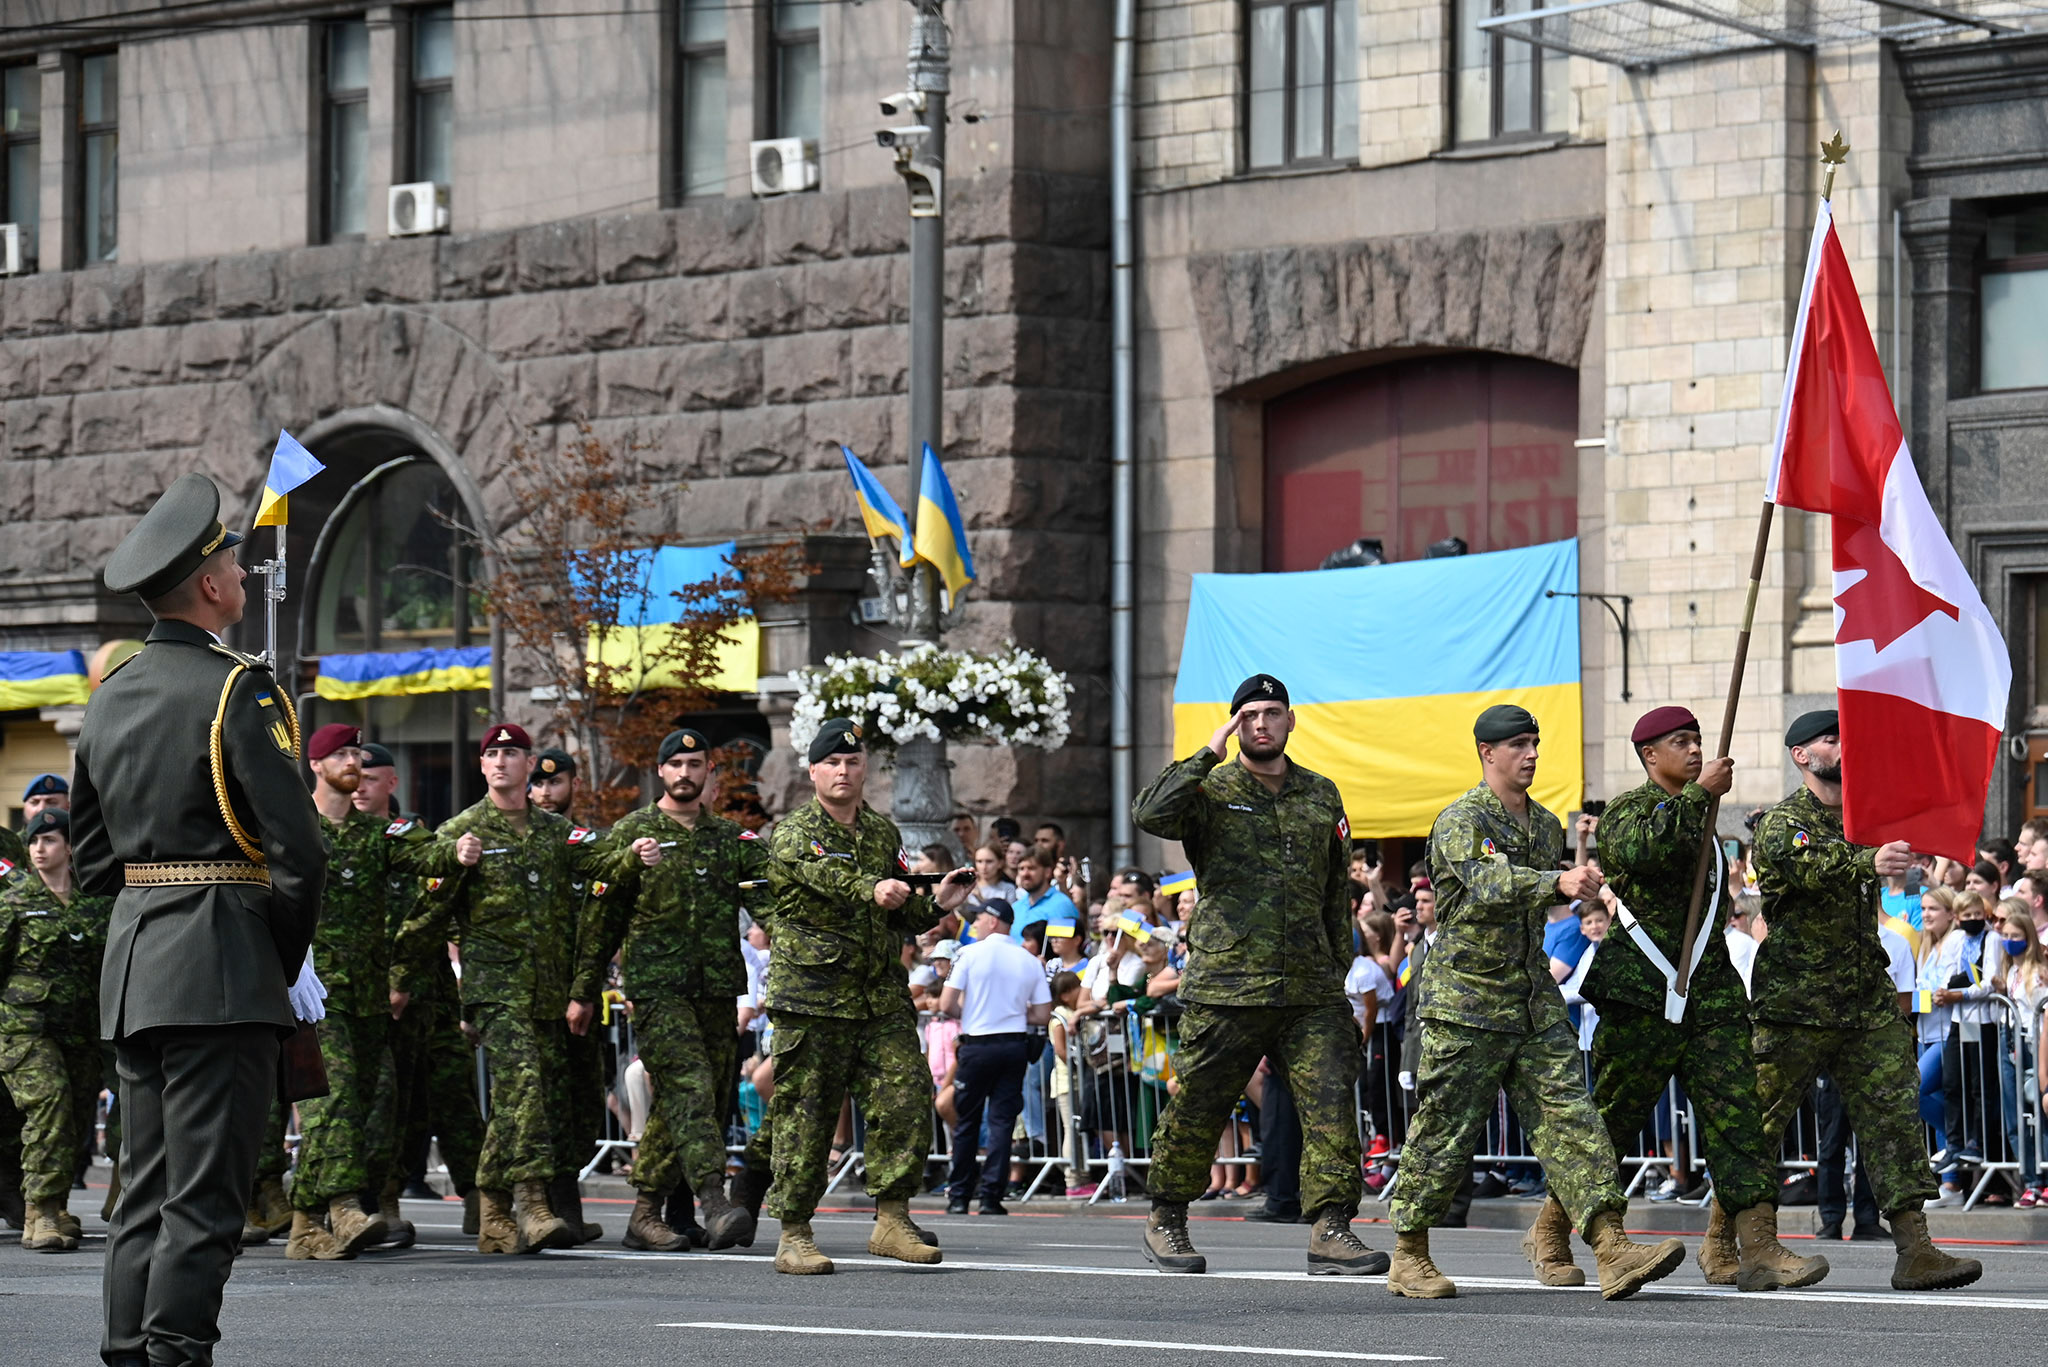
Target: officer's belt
pixel 196 871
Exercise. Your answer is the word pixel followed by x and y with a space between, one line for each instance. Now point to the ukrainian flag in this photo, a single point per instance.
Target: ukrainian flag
pixel 41 678
pixel 941 535
pixel 400 673
pixel 1177 883
pixel 880 513
pixel 649 618
pixel 1388 666
pixel 290 466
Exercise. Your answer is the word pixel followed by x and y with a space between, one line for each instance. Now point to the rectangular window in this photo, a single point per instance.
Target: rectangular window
pixel 347 60
pixel 433 94
pixel 21 154
pixel 100 135
pixel 1301 99
pixel 798 96
pixel 2013 299
pixel 1506 88
pixel 700 102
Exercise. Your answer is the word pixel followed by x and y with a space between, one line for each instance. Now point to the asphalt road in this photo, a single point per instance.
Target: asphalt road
pixel 1027 1291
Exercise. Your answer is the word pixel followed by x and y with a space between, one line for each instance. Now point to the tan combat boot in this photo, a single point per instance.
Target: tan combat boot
pixel 398 1231
pixel 1167 1245
pixel 1720 1261
pixel 40 1232
pixel 272 1208
pixel 69 1225
pixel 1768 1265
pixel 565 1198
pixel 1625 1266
pixel 310 1241
pixel 647 1232
pixel 539 1226
pixel 725 1224
pixel 1413 1274
pixel 895 1236
pixel 1922 1266
pixel 1333 1250
pixel 496 1231
pixel 354 1228
pixel 797 1253
pixel 1548 1247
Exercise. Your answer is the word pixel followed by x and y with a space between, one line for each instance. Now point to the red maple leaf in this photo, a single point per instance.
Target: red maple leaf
pixel 1885 603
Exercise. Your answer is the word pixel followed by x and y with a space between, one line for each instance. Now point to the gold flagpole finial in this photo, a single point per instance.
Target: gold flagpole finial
pixel 1832 154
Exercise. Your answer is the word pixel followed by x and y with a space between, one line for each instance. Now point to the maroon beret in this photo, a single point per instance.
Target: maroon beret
pixel 1660 722
pixel 330 738
pixel 503 735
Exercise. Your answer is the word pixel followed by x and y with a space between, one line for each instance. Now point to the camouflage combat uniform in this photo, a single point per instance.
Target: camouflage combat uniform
pixel 1495 1019
pixel 433 1063
pixel 680 925
pixel 1649 850
pixel 1824 999
pixel 1268 946
pixel 513 916
pixel 587 1082
pixel 840 1002
pixel 49 1025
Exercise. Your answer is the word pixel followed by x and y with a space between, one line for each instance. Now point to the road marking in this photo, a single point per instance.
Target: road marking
pixel 1071 1340
pixel 1111 1247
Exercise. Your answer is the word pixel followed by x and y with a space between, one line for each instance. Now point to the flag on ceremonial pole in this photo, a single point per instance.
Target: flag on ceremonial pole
pixel 1922 674
pixel 290 466
pixel 941 535
pixel 879 511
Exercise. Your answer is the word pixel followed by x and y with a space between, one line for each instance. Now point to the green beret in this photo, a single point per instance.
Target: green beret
pixel 549 763
pixel 173 539
pixel 838 736
pixel 1504 721
pixel 683 741
pixel 1811 726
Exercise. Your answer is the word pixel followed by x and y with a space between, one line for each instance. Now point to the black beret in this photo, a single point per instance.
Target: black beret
pixel 549 763
pixel 1812 726
pixel 1259 688
pixel 49 821
pixel 838 736
pixel 376 756
pixel 683 741
pixel 1504 721
pixel 173 539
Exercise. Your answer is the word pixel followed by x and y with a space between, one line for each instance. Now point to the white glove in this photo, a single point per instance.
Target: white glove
pixel 1407 1081
pixel 308 995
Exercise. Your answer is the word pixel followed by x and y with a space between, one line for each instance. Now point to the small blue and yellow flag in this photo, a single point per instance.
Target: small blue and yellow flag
pixel 290 466
pixel 1176 883
pixel 941 535
pixel 879 510
pixel 1405 971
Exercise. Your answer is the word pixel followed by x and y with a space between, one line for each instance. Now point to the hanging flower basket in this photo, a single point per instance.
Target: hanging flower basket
pixel 1010 697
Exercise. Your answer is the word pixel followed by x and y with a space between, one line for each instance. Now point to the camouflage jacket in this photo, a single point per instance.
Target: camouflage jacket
pixel 514 915
pixel 367 856
pixel 1495 883
pixel 13 852
pixel 680 920
pixel 1273 924
pixel 50 959
pixel 1822 963
pixel 837 951
pixel 1649 850
pixel 403 888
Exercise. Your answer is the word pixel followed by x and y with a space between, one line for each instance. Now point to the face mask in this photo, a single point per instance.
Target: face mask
pixel 2015 948
pixel 1972 928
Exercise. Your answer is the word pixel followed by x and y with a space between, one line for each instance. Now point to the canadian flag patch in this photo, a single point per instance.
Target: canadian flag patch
pixel 749 835
pixel 6 869
pixel 398 828
pixel 1343 827
pixel 582 835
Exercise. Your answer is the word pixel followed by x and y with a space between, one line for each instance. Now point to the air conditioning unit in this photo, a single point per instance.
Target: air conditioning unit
pixel 421 206
pixel 783 165
pixel 10 249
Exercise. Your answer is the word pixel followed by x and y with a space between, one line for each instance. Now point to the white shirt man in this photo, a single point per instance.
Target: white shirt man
pixel 998 990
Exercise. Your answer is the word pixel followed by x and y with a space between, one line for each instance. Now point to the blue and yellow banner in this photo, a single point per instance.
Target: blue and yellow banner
pixel 1387 666
pixel 41 678
pixel 941 535
pixel 399 673
pixel 880 513
pixel 649 619
pixel 1177 883
pixel 290 466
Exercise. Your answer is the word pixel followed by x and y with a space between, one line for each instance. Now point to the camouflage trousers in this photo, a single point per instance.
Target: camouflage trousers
pixel 1319 1049
pixel 36 1073
pixel 691 1050
pixel 1635 1052
pixel 1880 1085
pixel 347 1137
pixel 1459 1081
pixel 818 1061
pixel 271 1159
pixel 586 1092
pixel 528 1137
pixel 433 1068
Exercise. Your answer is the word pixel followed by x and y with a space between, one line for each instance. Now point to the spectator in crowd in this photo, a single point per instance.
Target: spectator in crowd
pixel 1373 1004
pixel 934 859
pixel 1014 851
pixel 1949 873
pixel 991 875
pixel 1564 942
pixel 1068 950
pixel 1973 960
pixel 2000 855
pixel 2026 984
pixel 1051 837
pixel 1982 881
pixel 1038 900
pixel 2032 890
pixel 1740 936
pixel 1132 884
pixel 1930 1023
pixel 998 991
pixel 1072 1095
pixel 1901 895
pixel 966 833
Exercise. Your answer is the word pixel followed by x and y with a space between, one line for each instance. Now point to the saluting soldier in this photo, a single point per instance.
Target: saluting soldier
pixel 1496 1021
pixel 188 809
pixel 841 1004
pixel 1650 840
pixel 1269 944
pixel 1824 998
pixel 679 924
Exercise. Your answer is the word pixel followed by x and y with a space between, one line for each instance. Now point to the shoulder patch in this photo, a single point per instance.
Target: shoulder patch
pixel 817 848
pixel 433 884
pixel 1487 847
pixel 1800 840
pixel 7 870
pixel 398 828
pixel 1343 827
pixel 263 698
pixel 582 835
pixel 599 889
pixel 746 834
pixel 281 737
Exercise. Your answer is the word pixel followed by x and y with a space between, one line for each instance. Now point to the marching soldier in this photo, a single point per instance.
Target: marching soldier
pixel 679 923
pixel 1269 944
pixel 1495 1021
pixel 188 808
pixel 1650 841
pixel 841 1005
pixel 1825 1001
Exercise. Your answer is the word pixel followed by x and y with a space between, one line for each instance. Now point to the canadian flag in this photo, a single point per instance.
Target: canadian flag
pixel 1922 672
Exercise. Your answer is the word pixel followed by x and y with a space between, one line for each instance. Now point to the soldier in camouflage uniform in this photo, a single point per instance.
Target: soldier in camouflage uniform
pixel 679 923
pixel 841 1004
pixel 1269 944
pixel 1493 1019
pixel 1824 1000
pixel 512 911
pixel 1650 839
pixel 51 940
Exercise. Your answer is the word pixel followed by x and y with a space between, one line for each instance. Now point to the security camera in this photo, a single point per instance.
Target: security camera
pixel 912 136
pixel 913 100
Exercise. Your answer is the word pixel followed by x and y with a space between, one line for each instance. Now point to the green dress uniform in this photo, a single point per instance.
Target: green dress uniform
pixel 1649 849
pixel 433 1062
pixel 679 926
pixel 1268 947
pixel 1494 1019
pixel 49 1025
pixel 1824 998
pixel 841 1007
